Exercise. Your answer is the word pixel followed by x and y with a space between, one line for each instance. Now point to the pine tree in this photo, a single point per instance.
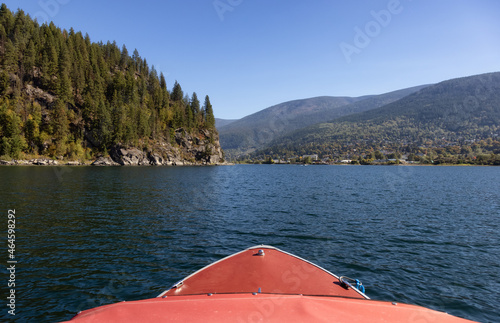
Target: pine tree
pixel 209 114
pixel 136 59
pixel 163 83
pixel 6 18
pixel 143 125
pixel 29 58
pixel 195 109
pixel 177 94
pixel 64 91
pixel 10 57
pixel 32 132
pixel 165 95
pixel 103 126
pixel 188 113
pixel 119 118
pixel 60 126
pixel 12 142
pixel 4 82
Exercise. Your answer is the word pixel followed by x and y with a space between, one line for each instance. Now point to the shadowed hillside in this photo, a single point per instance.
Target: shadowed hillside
pixel 255 131
pixel 455 115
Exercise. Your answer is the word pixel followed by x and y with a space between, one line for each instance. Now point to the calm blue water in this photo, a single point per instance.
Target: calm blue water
pixel 92 236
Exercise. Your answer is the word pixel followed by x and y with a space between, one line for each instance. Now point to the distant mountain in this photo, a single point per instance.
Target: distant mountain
pixel 255 131
pixel 455 113
pixel 223 122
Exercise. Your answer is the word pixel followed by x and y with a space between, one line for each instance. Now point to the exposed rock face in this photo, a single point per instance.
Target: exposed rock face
pixel 73 163
pixel 44 162
pixel 132 156
pixel 39 94
pixel 200 149
pixel 40 162
pixel 104 161
pixel 203 149
pixel 155 159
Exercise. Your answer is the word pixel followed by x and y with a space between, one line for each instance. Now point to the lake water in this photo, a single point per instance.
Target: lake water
pixel 88 236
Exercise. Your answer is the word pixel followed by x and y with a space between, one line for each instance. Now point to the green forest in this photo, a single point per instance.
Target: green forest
pixel 63 96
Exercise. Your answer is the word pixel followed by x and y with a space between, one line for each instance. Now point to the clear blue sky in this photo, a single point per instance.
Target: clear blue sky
pixel 248 55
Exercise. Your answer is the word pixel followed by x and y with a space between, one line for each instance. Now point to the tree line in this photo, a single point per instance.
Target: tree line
pixel 62 95
pixel 481 152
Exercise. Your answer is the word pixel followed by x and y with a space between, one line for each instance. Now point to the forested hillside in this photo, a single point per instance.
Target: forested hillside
pixel 259 129
pixel 455 120
pixel 256 130
pixel 63 96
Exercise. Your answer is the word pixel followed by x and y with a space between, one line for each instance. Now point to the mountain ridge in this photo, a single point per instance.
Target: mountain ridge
pixel 459 113
pixel 254 131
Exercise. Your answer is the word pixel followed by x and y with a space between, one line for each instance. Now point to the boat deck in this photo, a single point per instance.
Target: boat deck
pixel 262 269
pixel 262 284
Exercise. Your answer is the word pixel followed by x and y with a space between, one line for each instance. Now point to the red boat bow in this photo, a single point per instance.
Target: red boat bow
pixel 262 284
pixel 262 269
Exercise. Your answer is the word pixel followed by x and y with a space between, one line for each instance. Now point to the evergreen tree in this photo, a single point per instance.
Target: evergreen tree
pixel 60 126
pixel 4 82
pixel 189 118
pixel 177 93
pixel 209 114
pixel 163 83
pixel 103 126
pixel 29 58
pixel 136 59
pixel 10 57
pixel 165 95
pixel 32 133
pixel 12 142
pixel 64 86
pixel 195 110
pixel 119 118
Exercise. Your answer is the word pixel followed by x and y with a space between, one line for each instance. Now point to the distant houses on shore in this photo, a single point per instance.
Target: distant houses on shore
pixel 314 159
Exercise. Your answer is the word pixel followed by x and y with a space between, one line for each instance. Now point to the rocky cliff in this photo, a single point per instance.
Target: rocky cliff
pixel 203 149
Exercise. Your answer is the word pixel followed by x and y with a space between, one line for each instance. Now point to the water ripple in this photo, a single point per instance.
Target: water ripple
pixel 94 236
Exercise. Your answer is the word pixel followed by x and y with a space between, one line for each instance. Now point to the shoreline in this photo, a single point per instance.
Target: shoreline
pixel 387 165
pixel 106 161
pixel 94 163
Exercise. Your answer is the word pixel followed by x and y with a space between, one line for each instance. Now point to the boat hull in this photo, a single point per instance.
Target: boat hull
pixel 262 284
pixel 261 308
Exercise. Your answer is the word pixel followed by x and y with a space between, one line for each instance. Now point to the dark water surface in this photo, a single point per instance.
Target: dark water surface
pixel 90 236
